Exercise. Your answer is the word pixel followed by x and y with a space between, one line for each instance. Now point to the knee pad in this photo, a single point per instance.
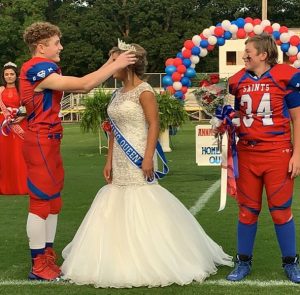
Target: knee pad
pixel 247 215
pixel 39 207
pixel 281 216
pixel 55 205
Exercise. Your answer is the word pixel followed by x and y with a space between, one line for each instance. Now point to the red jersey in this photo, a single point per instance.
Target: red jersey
pixel 264 102
pixel 42 107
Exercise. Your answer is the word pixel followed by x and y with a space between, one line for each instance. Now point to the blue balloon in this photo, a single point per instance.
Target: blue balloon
pixel 240 22
pixel 170 70
pixel 218 25
pixel 195 50
pixel 179 54
pixel 167 80
pixel 178 94
pixel 285 47
pixel 204 43
pixel 234 22
pixel 276 35
pixel 185 81
pixel 227 35
pixel 220 41
pixel 298 47
pixel 190 73
pixel 187 62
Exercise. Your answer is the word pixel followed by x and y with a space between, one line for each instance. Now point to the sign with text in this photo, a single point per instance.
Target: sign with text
pixel 207 151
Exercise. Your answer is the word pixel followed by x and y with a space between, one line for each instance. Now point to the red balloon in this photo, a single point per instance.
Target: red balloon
pixel 283 29
pixel 292 58
pixel 219 31
pixel 169 62
pixel 249 20
pixel 170 89
pixel 187 53
pixel 251 34
pixel 202 37
pixel 176 76
pixel 268 29
pixel 295 40
pixel 256 21
pixel 278 42
pixel 189 44
pixel 184 89
pixel 181 69
pixel 210 47
pixel 177 61
pixel 241 34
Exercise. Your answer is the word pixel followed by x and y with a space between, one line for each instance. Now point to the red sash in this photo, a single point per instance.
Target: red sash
pixel 16 128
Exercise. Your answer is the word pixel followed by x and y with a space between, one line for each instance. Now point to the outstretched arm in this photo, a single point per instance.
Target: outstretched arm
pixel 89 81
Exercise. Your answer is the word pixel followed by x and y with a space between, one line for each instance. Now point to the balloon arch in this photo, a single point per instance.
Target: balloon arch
pixel 181 69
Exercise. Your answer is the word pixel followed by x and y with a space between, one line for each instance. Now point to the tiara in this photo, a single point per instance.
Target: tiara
pixel 123 46
pixel 10 64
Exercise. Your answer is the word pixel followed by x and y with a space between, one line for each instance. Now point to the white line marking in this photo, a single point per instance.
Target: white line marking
pixel 254 283
pixel 203 199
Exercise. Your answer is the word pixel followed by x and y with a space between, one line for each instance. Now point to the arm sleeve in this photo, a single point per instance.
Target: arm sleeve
pixel 41 70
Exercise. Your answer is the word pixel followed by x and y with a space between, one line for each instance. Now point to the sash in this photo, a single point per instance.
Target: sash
pixel 7 123
pixel 133 155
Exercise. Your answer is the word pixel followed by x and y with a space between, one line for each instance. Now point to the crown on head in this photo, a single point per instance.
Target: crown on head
pixel 123 46
pixel 10 64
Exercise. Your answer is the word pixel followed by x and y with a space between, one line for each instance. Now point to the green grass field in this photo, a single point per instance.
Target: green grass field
pixel 83 167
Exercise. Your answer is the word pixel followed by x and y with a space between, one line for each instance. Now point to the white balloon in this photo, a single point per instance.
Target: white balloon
pixel 177 85
pixel 203 52
pixel 212 29
pixel 196 40
pixel 233 29
pixel 194 59
pixel 212 40
pixel 292 33
pixel 192 66
pixel 296 63
pixel 276 26
pixel 258 29
pixel 285 37
pixel 226 24
pixel 298 55
pixel 206 33
pixel 248 27
pixel 293 50
pixel 265 23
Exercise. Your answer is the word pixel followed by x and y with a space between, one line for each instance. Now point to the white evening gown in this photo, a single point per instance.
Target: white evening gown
pixel 138 234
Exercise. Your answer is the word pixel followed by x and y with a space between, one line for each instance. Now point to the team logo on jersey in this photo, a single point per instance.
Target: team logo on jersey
pixel 41 74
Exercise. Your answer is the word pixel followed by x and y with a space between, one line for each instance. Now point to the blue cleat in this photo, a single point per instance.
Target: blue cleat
pixel 241 270
pixel 292 270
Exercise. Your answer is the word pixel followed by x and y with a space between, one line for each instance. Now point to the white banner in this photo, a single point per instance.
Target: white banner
pixel 207 151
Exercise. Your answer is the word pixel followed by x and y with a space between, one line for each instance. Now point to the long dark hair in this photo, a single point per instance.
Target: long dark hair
pixel 10 66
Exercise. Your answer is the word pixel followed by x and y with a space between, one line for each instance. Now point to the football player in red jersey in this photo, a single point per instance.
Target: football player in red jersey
pixel 41 90
pixel 267 99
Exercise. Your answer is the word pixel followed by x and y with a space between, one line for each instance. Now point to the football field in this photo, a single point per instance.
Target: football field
pixel 197 187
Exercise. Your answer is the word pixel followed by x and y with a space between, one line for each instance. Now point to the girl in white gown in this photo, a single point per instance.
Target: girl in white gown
pixel 135 233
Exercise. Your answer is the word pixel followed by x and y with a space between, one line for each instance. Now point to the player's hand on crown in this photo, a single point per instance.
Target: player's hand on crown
pixel 126 58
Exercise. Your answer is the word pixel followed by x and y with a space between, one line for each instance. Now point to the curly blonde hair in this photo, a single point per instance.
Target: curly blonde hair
pixel 139 67
pixel 39 32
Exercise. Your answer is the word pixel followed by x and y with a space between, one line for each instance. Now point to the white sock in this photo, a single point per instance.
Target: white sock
pixel 36 231
pixel 51 223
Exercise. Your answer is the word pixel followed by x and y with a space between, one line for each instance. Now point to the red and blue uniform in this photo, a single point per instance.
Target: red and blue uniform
pixel 43 137
pixel 264 151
